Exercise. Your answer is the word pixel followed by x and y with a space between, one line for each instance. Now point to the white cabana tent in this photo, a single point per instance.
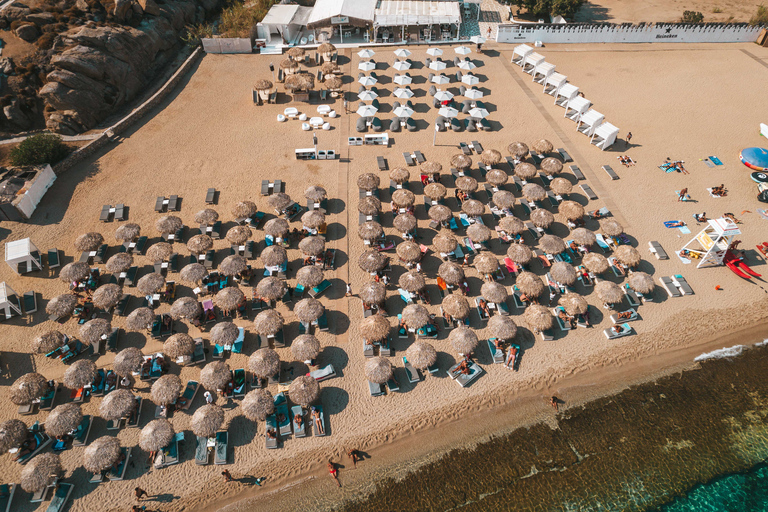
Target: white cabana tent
pixel 340 14
pixel 531 62
pixel 542 72
pixel 576 107
pixel 565 94
pixel 553 83
pixel 423 14
pixel 22 256
pixel 286 21
pixel 604 136
pixel 589 122
pixel 9 301
pixel 520 53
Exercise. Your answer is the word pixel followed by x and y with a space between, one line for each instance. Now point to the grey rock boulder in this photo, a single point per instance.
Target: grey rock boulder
pixel 16 116
pixel 28 32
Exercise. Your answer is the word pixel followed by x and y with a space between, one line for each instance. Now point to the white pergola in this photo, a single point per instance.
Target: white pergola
pixel 426 13
pixel 9 301
pixel 23 252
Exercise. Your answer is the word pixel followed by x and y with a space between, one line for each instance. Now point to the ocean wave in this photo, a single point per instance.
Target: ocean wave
pixel 722 353
pixel 762 343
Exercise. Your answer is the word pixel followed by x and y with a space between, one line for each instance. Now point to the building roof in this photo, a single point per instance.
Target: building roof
pixel 285 14
pixel 324 10
pixel 391 13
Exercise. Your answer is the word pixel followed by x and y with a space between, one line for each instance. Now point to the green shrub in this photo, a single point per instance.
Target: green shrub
pixel 44 148
pixel 237 20
pixel 716 10
pixel 760 17
pixel 692 17
pixel 564 8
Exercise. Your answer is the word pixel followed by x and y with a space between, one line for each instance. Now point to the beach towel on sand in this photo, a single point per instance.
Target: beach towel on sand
pixel 708 162
pixel 685 230
pixel 674 223
pixel 715 160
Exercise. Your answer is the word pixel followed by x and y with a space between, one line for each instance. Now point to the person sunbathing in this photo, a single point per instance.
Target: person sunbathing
pixel 719 191
pixel 298 419
pixel 484 307
pixel 700 217
pixel 271 434
pixel 511 355
pixel 732 217
pixel 464 368
pixel 616 329
pixel 318 421
pixel 624 314
pixel 676 224
pixel 28 446
pixel 111 380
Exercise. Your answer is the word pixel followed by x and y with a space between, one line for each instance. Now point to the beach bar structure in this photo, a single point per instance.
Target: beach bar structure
pixel 712 242
pixel 23 256
pixel 334 21
pixel 21 189
pixel 286 23
pixel 9 301
pixel 422 21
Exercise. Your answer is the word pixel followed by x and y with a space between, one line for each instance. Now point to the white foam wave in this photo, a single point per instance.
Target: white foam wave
pixel 762 343
pixel 722 353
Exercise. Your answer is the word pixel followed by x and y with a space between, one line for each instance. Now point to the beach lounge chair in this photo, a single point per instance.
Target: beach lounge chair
pixel 320 289
pixel 610 172
pixel 632 297
pixel 220 451
pixel 112 339
pixel 588 191
pixel 80 436
pixel 547 335
pixel 141 245
pixel 298 430
pixel 106 213
pixel 564 325
pixel 7 492
pixel 327 372
pixel 270 424
pixel 408 159
pixel 169 455
pixel 117 474
pixel 669 285
pixel 42 439
pixel 657 250
pixel 626 330
pixel 60 498
pixel 189 394
pixel 602 243
pixel 411 372
pixel 577 172
pixel 135 418
pixel 173 203
pixel 633 316
pixel 46 401
pixel 382 163
pixel 680 282
pixel 210 196
pixel 385 347
pixel 120 212
pixel 392 384
pixel 374 389
pixel 283 414
pixel 201 451
pixel 564 155
pixel 53 258
pixel 464 380
pixel 160 204
pixel 30 302
pixel 496 353
pixel 240 383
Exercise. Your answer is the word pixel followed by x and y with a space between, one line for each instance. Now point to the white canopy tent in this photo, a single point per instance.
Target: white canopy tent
pixel 589 122
pixel 576 107
pixel 542 72
pixel 422 13
pixel 23 256
pixel 532 61
pixel 9 301
pixel 358 12
pixel 553 83
pixel 604 136
pixel 520 53
pixel 285 20
pixel 565 94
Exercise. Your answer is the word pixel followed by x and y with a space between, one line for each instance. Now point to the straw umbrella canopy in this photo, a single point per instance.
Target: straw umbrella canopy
pixel 269 322
pixel 62 305
pixel 63 419
pixel 167 389
pixel 543 146
pixel 440 213
pixel 48 342
pixel 180 345
pixel 466 184
pixel 641 282
pixel 229 299
pixel 326 48
pixel 399 175
pixel 308 310
pixel 156 435
pixel 368 181
pixel 451 272
pixel 198 244
pixel 128 232
pixel 490 157
pixel 304 390
pixel 370 230
pixel 107 296
pixel 435 191
pixel 80 373
pixel 431 168
pixel 89 241
pixel 512 225
pixel 271 288
pixel 473 207
pixel 207 216
pixel 519 253
pixel 494 292
pixel 530 284
pixel 373 292
pixel 168 224
pixel 551 166
pixel 574 304
pixel 563 273
pixel 312 245
pixel 378 370
pixel 264 363
pixel 538 317
pixel 518 149
pixel 502 327
pixel 246 209
pixel 41 472
pixel 415 316
pixel 461 161
pixel 496 177
pixel 611 227
pixel 369 205
pixel 372 261
pixel 207 420
pixel 288 63
pixel 456 305
pixel 302 81
pixel 310 276
pixel 463 339
pixel 280 201
pixel 595 262
pixel 609 292
pixel 444 243
pixel 151 283
pixel 215 375
pixel 305 347
pixel 534 192
pixel 403 198
pixel 408 252
pixel 119 403
pixel 552 244
pixel 421 355
pixel 315 193
pixel 140 319
pixel 504 199
pixel 12 434
pixel 238 235
pixel 412 281
pixel 560 186
pixel 405 222
pixel 119 262
pixel 160 251
pixel 185 307
pixel 328 68
pixel 102 453
pixel 542 218
pixel 75 271
pixel 296 52
pixel 274 255
pixel 583 236
pixel 94 330
pixel 233 265
pixel 627 255
pixel 486 263
pixel 258 404
pixel 313 219
pixel 333 83
pixel 224 333
pixel 375 328
pixel 128 361
pixel 571 210
pixel 525 171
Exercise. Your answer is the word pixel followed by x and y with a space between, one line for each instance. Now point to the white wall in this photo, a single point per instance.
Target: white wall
pixel 27 203
pixel 228 45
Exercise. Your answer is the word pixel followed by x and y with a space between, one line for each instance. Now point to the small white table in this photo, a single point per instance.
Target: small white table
pixel 291 112
pixel 323 109
pixel 316 122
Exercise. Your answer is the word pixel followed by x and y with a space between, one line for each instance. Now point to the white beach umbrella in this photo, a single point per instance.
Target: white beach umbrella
pixel 403 93
pixel 367 95
pixel 467 65
pixel 366 66
pixel 473 94
pixel 403 112
pixel 402 53
pixel 440 79
pixel 477 39
pixel 438 65
pixel 367 81
pixel 470 80
pixel 478 112
pixel 402 65
pixel 366 54
pixel 403 80
pixel 367 111
pixel 462 50
pixel 443 96
pixel 435 52
pixel 448 112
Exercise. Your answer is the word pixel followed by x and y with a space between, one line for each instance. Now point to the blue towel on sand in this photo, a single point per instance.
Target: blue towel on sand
pixel 716 160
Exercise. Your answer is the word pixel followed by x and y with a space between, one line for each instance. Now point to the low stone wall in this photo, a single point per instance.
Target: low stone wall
pixel 227 45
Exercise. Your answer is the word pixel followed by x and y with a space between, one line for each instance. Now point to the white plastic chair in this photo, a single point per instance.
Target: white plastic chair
pixel 302 117
pixel 280 118
pixel 305 127
pixel 326 126
pixel 332 113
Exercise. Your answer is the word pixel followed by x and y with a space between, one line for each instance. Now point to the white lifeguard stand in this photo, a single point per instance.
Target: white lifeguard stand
pixel 712 242
pixel 23 256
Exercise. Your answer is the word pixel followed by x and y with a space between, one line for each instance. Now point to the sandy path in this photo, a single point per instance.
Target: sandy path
pixel 622 11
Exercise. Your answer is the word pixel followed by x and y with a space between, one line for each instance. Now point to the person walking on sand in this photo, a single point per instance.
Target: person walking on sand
pixel 554 402
pixel 349 290
pixel 489 33
pixel 227 476
pixel 682 195
pixel 259 480
pixel 139 492
pixel 629 137
pixel 353 454
pixel 334 472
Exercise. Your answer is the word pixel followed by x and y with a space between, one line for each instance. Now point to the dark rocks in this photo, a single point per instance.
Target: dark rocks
pixel 16 116
pixel 6 66
pixel 149 7
pixel 28 32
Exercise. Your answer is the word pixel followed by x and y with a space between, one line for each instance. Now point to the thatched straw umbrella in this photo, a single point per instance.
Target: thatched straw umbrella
pixel 107 296
pixel 296 52
pixel 627 255
pixel 326 48
pixel 119 262
pixel 543 146
pixel 461 161
pixel 128 232
pixel 479 233
pixel 264 363
pixel 525 171
pixel 269 322
pixel 574 304
pixel 463 339
pixel 119 403
pixel 215 375
pixel 328 68
pixel 502 327
pixel 530 284
pixel 609 292
pixel 233 265
pixel 372 261
pixel 128 361
pixel 167 389
pixel 375 328
pixel 486 263
pixel 313 219
pixel 305 347
pixel 75 271
pixel 198 244
pixel 496 177
pixel 595 262
pixel 185 308
pixel 491 157
pixel 308 310
pixel 551 166
pixel 12 434
pixel 435 191
pixel 312 245
pixel 229 299
pixel 611 227
pixel 289 65
pixel 151 283
pixel 274 255
pixel 333 83
pixel 518 149
pixel 538 317
pixel 408 252
pixel 451 272
pixel 280 201
pixel 504 199
pixel 89 241
pixel 403 198
pixel 94 330
pixel 494 292
pixel 63 419
pixel 181 345
pixel 156 435
pixel 440 213
pixel 534 192
pixel 583 236
pixel 368 181
pixel 431 168
pixel 206 216
pixel 512 225
pixel 310 276
pixel 101 454
pixel 168 224
pixel 373 292
pixel 560 186
pixel 563 273
pixel 466 184
pixel 271 288
pixel 519 253
pixel 552 244
pixel 160 251
pixel 542 218
pixel 238 235
pixel 48 341
pixel 80 373
pixel 399 175
pixel 140 319
pixel 412 282
pixel 224 333
pixel 405 223
pixel 62 305
pixel 641 282
pixel 456 305
pixel 299 82
pixel 258 404
pixel 207 420
pixel 378 370
pixel 41 472
pixel 473 207
pixel 193 273
pixel 421 355
pixel 315 193
pixel 370 230
pixel 304 390
pixel 246 209
pixel 571 210
pixel 444 243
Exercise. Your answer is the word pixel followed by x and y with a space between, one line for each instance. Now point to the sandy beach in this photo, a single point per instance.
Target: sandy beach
pixel 685 102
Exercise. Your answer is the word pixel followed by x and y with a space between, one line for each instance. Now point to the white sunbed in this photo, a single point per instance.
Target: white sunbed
pixel 626 330
pixel 633 316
